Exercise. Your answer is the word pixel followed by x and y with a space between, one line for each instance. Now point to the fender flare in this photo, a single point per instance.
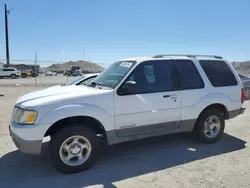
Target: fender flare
pixel 67 111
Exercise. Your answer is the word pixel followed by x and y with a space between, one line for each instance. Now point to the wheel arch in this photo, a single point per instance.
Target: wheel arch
pixel 88 121
pixel 218 106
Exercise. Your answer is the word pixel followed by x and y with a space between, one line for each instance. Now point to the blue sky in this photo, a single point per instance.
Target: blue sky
pixel 112 29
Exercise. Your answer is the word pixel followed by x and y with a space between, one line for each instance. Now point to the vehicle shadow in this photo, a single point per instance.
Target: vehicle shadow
pixel 116 163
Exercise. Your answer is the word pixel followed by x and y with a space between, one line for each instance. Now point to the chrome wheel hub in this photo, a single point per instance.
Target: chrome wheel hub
pixel 75 150
pixel 212 127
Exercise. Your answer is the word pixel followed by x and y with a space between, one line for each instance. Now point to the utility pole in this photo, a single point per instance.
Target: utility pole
pixel 35 68
pixel 6 12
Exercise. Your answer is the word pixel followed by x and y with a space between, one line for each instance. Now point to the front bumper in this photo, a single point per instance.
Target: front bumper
pixel 234 113
pixel 29 147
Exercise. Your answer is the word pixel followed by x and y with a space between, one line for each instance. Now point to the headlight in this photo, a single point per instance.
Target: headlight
pixel 22 116
pixel 28 117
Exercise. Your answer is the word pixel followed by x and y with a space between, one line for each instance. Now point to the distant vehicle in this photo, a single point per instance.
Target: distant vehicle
pixel 50 73
pixel 73 71
pixel 246 84
pixel 27 73
pixel 13 73
pixel 78 72
pixel 244 78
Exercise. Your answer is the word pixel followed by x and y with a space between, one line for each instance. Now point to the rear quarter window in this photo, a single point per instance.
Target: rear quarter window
pixel 218 73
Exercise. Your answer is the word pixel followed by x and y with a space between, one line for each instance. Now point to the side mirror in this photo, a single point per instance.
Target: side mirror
pixel 130 87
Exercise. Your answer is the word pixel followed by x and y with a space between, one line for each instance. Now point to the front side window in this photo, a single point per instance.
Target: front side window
pixel 218 73
pixel 152 76
pixel 113 75
pixel 8 70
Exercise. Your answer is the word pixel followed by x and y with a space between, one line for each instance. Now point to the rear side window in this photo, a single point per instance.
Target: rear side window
pixel 218 73
pixel 8 69
pixel 189 77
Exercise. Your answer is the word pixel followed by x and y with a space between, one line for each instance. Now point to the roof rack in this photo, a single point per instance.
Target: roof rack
pixel 187 55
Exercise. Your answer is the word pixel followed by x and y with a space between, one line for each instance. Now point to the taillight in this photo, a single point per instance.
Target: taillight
pixel 242 95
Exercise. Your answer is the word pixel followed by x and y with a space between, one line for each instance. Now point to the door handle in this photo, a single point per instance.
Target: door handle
pixel 166 96
pixel 173 96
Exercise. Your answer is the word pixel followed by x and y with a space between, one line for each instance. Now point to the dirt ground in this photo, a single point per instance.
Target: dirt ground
pixel 167 161
pixel 41 80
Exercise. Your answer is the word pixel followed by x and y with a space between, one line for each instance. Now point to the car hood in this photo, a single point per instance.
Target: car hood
pixel 56 90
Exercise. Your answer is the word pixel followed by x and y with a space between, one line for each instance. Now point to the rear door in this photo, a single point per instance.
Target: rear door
pixel 156 103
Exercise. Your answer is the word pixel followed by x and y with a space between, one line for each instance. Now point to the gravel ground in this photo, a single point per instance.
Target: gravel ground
pixel 167 161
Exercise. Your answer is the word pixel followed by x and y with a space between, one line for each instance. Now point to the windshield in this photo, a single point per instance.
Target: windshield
pixel 112 76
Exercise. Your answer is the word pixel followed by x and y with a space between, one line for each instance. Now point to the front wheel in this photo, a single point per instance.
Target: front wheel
pixel 74 149
pixel 210 126
pixel 13 76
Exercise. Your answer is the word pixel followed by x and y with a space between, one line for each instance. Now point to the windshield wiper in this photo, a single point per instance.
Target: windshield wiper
pixel 105 85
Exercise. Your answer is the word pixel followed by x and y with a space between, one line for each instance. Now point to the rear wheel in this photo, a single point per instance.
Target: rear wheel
pixel 74 149
pixel 13 76
pixel 210 126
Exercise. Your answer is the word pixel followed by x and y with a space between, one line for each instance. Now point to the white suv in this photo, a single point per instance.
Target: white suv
pixel 10 72
pixel 132 99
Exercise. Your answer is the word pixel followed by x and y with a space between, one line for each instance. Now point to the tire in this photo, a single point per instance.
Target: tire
pixel 202 126
pixel 23 75
pixel 13 76
pixel 58 154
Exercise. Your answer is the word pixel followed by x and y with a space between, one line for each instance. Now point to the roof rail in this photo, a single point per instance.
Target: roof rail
pixel 187 55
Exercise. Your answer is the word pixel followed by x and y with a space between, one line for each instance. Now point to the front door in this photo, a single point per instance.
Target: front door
pixel 155 104
pixel 6 72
